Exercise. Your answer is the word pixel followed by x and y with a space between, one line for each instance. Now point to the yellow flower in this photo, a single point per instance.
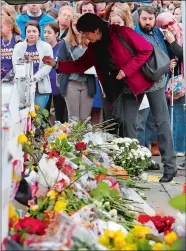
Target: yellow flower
pixel 130 247
pixel 157 246
pixel 62 136
pixel 12 212
pixel 104 240
pixel 33 114
pixel 110 233
pixel 60 206
pixel 140 231
pixel 49 131
pixel 119 242
pixel 52 194
pixel 37 107
pixel 170 238
pixel 22 139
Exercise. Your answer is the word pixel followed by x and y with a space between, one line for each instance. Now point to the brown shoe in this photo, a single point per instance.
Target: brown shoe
pixel 154 149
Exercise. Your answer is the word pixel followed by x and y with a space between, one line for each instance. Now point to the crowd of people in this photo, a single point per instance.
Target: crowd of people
pixel 82 67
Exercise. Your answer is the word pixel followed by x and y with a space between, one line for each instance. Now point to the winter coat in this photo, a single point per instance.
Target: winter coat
pixel 130 65
pixel 42 75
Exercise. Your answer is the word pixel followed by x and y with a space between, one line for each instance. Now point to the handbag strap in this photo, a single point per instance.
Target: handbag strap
pixel 123 41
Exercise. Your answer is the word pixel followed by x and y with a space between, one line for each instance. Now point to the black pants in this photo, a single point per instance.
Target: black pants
pixel 60 107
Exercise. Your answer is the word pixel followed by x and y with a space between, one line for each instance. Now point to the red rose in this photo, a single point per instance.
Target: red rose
pixel 60 162
pixel 31 225
pixel 144 218
pixel 80 146
pixel 53 154
pixel 168 230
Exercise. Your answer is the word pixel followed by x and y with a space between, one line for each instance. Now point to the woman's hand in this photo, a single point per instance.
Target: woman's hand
pixel 173 64
pixel 49 61
pixel 169 37
pixel 120 75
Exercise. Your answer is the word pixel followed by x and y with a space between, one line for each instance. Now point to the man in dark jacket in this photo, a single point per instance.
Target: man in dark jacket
pixel 115 64
pixel 156 94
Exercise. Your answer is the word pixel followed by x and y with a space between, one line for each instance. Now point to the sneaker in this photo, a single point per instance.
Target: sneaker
pixel 154 149
pixel 180 154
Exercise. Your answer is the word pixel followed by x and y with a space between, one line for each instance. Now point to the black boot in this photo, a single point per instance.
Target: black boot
pixel 167 177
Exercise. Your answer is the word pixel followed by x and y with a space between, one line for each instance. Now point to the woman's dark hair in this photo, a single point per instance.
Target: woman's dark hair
pixel 89 23
pixel 54 26
pixel 32 23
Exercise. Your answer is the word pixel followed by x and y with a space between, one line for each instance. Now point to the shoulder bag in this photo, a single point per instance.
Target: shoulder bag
pixel 157 64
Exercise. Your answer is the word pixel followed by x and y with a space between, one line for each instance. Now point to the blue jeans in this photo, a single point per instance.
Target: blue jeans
pixel 179 125
pixel 41 100
pixel 146 130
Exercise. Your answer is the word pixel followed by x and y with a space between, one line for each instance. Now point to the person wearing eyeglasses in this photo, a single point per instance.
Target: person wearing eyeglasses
pixel 65 16
pixel 173 35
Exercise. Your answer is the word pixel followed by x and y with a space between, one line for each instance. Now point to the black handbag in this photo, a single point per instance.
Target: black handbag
pixel 156 66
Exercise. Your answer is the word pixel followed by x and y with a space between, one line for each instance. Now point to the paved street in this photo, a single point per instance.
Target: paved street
pixel 158 196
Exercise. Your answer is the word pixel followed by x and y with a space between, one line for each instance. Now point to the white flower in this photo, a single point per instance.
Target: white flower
pixel 113 213
pixel 98 203
pixel 135 140
pixel 119 140
pixel 49 174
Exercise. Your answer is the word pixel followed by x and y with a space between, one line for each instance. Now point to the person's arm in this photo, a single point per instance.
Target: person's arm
pixel 45 70
pixel 78 66
pixel 176 50
pixel 142 48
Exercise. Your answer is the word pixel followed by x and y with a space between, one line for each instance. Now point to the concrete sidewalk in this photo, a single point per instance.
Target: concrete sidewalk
pixel 159 194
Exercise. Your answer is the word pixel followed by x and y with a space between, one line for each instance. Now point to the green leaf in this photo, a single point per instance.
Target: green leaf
pixel 27 163
pixel 45 113
pixel 101 190
pixel 40 216
pixel 103 170
pixel 76 160
pixel 179 202
pixel 40 202
pixel 179 244
pixel 144 246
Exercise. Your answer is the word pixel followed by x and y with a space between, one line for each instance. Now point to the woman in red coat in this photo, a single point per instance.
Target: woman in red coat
pixel 119 72
pixel 116 68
